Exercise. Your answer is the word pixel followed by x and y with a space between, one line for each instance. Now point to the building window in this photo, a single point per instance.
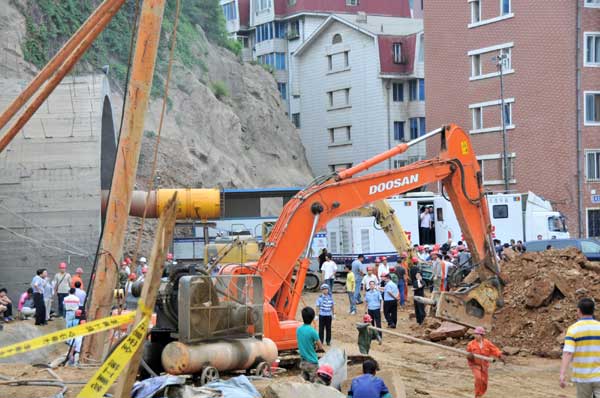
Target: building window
pixel 397 48
pixel 282 87
pixel 399 163
pixel 416 90
pixel 414 128
pixel 421 56
pixel 475 11
pixel 230 11
pixel 592 165
pixel 399 131
pixel 505 7
pixel 481 112
pixel 294 31
pixel 508 114
pixel 592 49
pixel 398 92
pixel 340 135
pixel 337 39
pixel 296 120
pixel 477 118
pixel 592 108
pixel 280 61
pixel 506 55
pixel 592 3
pixel 262 5
pixel 340 167
pixel 492 168
pixel 346 59
pixel 422 126
pixel 351 2
pixel 280 29
pixel 475 65
pixel 291 3
pixel 347 96
pixel 330 62
pixel 330 98
pixel 264 32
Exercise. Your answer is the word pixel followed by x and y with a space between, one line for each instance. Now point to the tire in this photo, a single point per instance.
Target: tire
pixel 312 281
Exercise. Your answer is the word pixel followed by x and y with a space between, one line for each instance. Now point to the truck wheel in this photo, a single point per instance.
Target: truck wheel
pixel 209 374
pixel 263 369
pixel 311 283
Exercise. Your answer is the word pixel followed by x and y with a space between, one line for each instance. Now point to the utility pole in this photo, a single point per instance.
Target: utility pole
pixel 500 61
pixel 128 153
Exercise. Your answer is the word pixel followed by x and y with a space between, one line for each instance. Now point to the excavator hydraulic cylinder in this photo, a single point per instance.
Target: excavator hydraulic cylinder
pixel 235 354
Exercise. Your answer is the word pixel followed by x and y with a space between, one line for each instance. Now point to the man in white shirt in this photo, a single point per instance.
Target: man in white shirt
pixel 329 269
pixel 425 225
pixel 384 268
pixel 81 295
pixel 370 277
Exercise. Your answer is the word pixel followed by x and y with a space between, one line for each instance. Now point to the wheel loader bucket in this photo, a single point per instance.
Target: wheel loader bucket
pixel 472 307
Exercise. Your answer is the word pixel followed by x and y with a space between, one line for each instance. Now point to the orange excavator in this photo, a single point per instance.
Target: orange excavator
pixel 285 260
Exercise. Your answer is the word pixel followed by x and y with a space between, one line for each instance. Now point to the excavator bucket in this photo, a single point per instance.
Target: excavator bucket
pixel 472 306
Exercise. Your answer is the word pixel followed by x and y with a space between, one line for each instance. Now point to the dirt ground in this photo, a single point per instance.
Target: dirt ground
pixel 426 371
pixel 443 374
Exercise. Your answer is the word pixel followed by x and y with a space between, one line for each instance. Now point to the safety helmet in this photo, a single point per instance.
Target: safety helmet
pixel 367 318
pixel 144 270
pixel 123 263
pixel 62 265
pixel 404 254
pixel 385 275
pixel 79 270
pixel 479 330
pixel 127 260
pixel 143 259
pixel 369 268
pixel 324 286
pixel 132 276
pixel 377 260
pixel 414 260
pixel 392 268
pixel 326 370
pixel 169 256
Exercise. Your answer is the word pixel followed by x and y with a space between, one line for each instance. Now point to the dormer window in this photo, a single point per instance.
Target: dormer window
pixel 397 48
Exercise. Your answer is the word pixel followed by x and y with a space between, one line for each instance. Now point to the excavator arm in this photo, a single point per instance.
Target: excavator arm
pixel 288 246
pixel 386 219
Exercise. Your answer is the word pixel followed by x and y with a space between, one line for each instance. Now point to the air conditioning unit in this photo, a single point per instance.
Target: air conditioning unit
pixel 361 17
pixel 293 34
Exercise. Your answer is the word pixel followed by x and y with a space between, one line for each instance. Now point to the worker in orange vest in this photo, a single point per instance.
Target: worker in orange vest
pixel 479 367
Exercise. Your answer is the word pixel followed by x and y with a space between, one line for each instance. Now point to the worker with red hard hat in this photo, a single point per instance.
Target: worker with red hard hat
pixel 481 346
pixel 62 285
pixel 77 278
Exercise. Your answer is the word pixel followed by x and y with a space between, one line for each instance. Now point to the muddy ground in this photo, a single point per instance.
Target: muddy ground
pixel 426 371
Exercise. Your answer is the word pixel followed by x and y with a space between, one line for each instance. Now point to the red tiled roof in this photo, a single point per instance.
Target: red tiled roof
pixel 395 8
pixel 386 54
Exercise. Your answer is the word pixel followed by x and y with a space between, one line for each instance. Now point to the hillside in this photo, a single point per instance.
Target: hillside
pixel 225 125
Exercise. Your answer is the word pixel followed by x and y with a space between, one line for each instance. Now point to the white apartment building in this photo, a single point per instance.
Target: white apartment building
pixel 350 74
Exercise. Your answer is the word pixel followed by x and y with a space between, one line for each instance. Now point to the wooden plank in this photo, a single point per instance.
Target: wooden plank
pixel 162 241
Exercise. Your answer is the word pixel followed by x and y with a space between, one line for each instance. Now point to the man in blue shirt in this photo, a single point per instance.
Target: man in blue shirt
pixel 391 295
pixel 357 270
pixel 373 301
pixel 325 305
pixel 307 340
pixel 368 385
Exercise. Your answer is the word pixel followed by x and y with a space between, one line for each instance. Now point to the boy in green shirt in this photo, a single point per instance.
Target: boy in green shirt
pixel 308 338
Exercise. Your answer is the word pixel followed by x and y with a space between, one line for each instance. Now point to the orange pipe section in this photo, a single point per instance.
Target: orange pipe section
pixel 62 71
pixel 125 171
pixel 362 166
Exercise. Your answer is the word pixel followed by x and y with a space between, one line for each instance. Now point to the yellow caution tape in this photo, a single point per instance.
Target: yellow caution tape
pixel 110 370
pixel 91 327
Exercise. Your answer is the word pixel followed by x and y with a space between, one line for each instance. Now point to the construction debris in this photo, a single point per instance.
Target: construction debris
pixel 448 330
pixel 541 297
pixel 293 389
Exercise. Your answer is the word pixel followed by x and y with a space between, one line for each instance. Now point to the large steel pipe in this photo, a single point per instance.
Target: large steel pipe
pixel 179 358
pixel 192 204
